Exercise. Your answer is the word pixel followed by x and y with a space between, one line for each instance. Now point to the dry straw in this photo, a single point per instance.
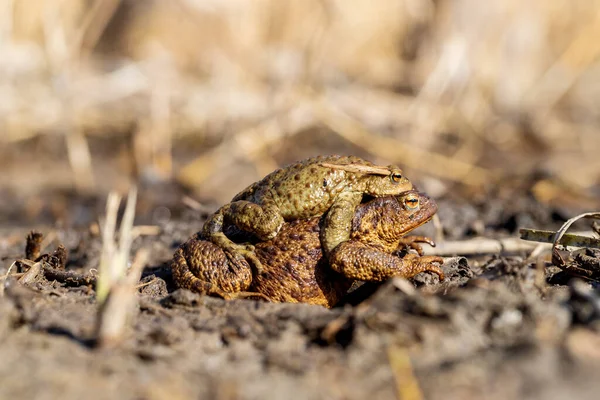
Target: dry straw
pixel 116 284
pixel 231 78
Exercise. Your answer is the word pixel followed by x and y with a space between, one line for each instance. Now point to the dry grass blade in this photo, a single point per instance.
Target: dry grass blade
pixel 563 258
pixel 125 235
pixel 113 262
pixel 566 239
pixel 94 23
pixel 9 269
pixel 80 159
pixel 245 143
pixel 575 60
pixel 106 274
pixel 196 205
pixel 114 314
pixel 5 276
pixel 145 230
pixel 407 385
pixel 115 288
pixel 361 169
pixel 392 149
pixel 479 246
pixel 563 229
pixel 32 274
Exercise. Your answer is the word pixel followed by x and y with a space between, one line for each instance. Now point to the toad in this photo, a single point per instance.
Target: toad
pixel 330 185
pixel 295 266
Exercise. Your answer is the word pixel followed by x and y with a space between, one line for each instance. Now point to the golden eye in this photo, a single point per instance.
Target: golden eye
pixel 396 177
pixel 411 202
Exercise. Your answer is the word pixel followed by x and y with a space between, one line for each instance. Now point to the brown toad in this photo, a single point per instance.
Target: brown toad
pixel 334 185
pixel 295 268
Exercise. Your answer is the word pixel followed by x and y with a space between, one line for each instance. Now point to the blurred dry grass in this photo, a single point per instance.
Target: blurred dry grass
pixel 198 90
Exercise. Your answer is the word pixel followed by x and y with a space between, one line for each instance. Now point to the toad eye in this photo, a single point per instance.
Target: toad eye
pixel 396 177
pixel 411 202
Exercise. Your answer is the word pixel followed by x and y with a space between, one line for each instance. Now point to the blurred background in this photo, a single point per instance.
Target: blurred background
pixel 474 100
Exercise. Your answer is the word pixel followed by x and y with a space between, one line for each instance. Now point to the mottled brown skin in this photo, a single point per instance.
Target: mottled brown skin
pixel 334 185
pixel 295 267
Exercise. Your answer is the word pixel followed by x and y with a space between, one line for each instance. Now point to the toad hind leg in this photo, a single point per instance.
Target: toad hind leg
pixel 264 221
pixel 202 267
pixel 237 253
pixel 356 260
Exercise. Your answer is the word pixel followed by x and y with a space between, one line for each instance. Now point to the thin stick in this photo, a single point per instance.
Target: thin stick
pixel 145 230
pixel 196 205
pixel 69 277
pixel 563 229
pixel 407 385
pixel 150 282
pixel 364 169
pixel 479 246
pixel 566 239
pixel 558 256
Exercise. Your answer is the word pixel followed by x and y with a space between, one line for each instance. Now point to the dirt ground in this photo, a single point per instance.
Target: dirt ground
pixel 491 108
pixel 498 327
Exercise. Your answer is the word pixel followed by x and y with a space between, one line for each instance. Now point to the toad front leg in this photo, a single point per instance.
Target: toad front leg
pixel 338 221
pixel 356 260
pixel 264 221
pixel 412 242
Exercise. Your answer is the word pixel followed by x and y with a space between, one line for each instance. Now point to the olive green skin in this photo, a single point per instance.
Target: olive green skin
pixel 302 190
pixel 295 266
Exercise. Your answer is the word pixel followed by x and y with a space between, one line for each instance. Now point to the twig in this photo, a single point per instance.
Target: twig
pixel 150 282
pixel 69 277
pixel 407 385
pixel 479 246
pixel 562 258
pixel 196 205
pixel 563 229
pixel 357 168
pixel 566 239
pixel 145 230
pixel 439 228
pixel 51 273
